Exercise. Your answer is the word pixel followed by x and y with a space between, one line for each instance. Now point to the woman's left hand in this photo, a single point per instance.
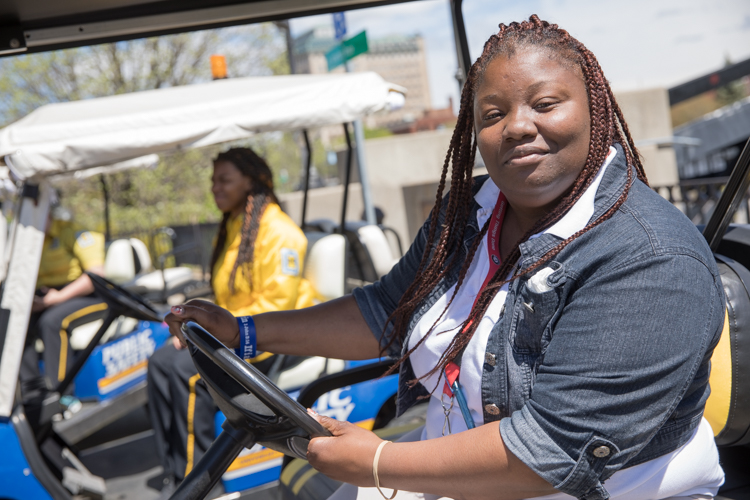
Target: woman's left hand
pixel 348 455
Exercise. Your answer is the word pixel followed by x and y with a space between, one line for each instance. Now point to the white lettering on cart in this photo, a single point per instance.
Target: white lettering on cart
pixel 331 404
pixel 127 352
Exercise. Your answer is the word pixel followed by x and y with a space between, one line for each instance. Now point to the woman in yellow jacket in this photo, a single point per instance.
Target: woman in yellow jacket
pixel 257 259
pixel 256 267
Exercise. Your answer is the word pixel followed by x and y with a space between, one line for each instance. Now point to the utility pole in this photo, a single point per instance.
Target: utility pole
pixel 284 26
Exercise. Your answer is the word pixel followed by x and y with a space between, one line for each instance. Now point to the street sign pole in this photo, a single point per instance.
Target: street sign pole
pixel 345 51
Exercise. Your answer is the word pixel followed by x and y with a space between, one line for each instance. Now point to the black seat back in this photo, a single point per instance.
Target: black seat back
pixel 728 407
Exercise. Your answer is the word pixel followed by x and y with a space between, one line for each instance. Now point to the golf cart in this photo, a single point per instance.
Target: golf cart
pixel 113 374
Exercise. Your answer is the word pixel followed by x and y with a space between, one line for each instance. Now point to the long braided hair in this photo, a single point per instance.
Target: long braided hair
pixel 261 194
pixel 444 240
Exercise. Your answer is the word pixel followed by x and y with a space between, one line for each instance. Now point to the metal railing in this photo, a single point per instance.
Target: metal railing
pixel 697 198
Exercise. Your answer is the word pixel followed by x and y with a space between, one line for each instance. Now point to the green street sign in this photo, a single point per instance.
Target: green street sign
pixel 346 50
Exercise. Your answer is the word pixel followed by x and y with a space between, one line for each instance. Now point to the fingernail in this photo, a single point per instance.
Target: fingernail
pixel 177 309
pixel 311 411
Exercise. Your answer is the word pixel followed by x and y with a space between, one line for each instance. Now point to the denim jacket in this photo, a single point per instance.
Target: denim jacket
pixel 610 369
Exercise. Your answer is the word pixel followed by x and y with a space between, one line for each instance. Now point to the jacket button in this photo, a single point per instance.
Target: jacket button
pixel 490 359
pixel 492 409
pixel 601 451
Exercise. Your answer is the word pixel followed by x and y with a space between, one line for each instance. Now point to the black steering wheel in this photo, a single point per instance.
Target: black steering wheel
pixel 122 301
pixel 248 399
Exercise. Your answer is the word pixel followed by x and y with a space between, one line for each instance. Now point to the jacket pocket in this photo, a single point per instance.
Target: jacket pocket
pixel 535 305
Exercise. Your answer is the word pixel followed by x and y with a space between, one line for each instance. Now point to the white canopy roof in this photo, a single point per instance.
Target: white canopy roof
pixel 70 136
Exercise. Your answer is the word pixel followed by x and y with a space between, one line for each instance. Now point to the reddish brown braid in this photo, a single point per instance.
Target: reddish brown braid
pixel 447 224
pixel 261 194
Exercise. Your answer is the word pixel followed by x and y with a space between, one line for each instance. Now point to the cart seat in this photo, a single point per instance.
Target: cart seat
pixel 378 247
pixel 308 370
pixel 128 263
pixel 728 406
pixel 370 252
pixel 325 263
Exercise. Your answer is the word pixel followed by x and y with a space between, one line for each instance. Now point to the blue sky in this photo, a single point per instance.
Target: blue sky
pixel 639 43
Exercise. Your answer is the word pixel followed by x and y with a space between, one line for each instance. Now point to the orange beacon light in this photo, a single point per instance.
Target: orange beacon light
pixel 218 67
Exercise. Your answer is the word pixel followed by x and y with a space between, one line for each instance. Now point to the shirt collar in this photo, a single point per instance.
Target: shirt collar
pixel 573 221
pixel 486 197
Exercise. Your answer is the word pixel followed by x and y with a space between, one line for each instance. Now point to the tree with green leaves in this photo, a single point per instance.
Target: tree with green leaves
pixel 29 81
pixel 177 191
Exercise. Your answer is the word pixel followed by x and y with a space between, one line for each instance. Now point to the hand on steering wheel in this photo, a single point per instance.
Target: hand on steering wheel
pixel 249 399
pixel 209 316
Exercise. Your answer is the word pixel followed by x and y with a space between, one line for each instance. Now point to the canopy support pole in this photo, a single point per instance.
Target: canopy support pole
pixel 105 192
pixel 737 186
pixel 347 175
pixel 364 180
pixel 462 43
pixel 18 294
pixel 4 238
pixel 308 167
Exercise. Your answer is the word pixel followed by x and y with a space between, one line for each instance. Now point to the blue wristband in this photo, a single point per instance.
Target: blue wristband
pixel 248 343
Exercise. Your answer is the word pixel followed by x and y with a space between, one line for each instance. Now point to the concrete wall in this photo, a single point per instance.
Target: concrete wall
pixel 404 171
pixel 324 203
pixel 647 115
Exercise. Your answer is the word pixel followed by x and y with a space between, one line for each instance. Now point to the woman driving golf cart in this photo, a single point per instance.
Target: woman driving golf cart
pixel 558 314
pixel 255 267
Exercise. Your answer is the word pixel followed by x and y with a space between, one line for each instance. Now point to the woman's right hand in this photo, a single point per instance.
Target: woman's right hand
pixel 218 321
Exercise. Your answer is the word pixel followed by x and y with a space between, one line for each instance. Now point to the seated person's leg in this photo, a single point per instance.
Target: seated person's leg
pixel 160 409
pixel 54 328
pixel 192 427
pixel 30 375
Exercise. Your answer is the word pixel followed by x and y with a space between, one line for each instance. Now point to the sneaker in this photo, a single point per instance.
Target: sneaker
pixel 170 486
pixel 70 405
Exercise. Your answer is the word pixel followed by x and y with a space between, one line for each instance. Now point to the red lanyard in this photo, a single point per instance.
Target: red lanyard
pixel 452 370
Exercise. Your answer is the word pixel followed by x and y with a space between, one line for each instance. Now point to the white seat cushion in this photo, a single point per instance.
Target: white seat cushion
pixel 308 371
pixel 119 263
pixel 376 242
pixel 174 276
pixel 325 265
